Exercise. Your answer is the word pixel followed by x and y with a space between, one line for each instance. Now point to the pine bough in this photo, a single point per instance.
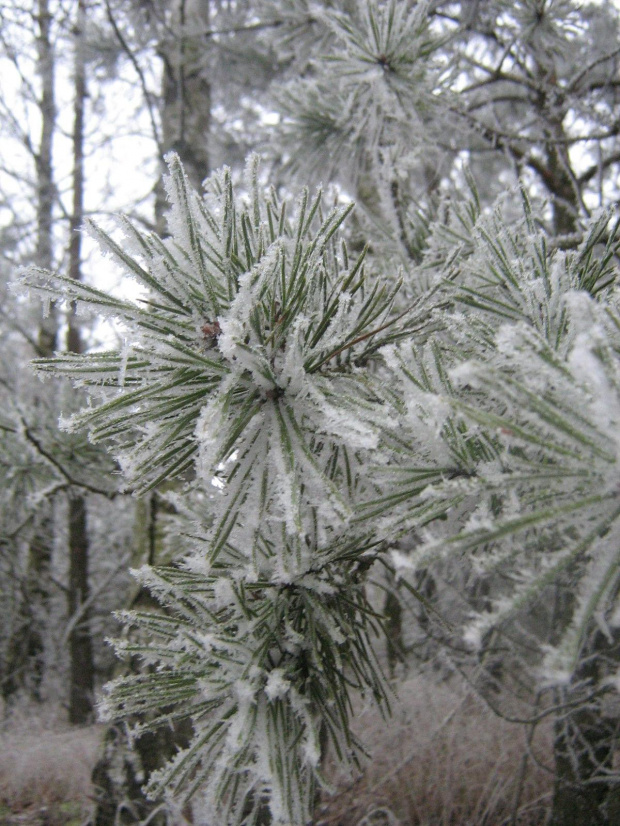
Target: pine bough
pixel 335 415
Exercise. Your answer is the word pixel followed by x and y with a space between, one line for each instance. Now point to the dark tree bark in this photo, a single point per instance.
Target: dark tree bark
pixel 82 667
pixel 74 338
pixel 25 660
pixel 48 329
pixel 124 767
pixel 586 739
pixel 186 96
pixel 185 111
pixel 119 778
pixel 82 672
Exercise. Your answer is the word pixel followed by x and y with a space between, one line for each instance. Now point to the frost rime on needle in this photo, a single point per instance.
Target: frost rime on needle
pixel 245 362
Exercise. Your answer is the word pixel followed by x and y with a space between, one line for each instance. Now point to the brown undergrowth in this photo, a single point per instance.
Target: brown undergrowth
pixel 444 759
pixel 45 769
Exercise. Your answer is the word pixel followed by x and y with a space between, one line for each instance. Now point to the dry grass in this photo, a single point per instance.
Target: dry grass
pixel 45 769
pixel 443 760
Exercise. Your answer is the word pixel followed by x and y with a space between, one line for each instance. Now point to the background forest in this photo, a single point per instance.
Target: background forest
pixel 350 415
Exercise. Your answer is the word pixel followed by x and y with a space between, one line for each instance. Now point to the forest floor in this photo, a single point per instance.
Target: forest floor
pixel 443 759
pixel 45 768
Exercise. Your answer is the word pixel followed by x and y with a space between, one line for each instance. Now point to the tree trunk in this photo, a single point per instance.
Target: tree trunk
pixel 82 672
pixel 119 776
pixel 40 547
pixel 585 741
pixel 25 661
pixel 123 769
pixel 48 328
pixel 186 96
pixel 82 667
